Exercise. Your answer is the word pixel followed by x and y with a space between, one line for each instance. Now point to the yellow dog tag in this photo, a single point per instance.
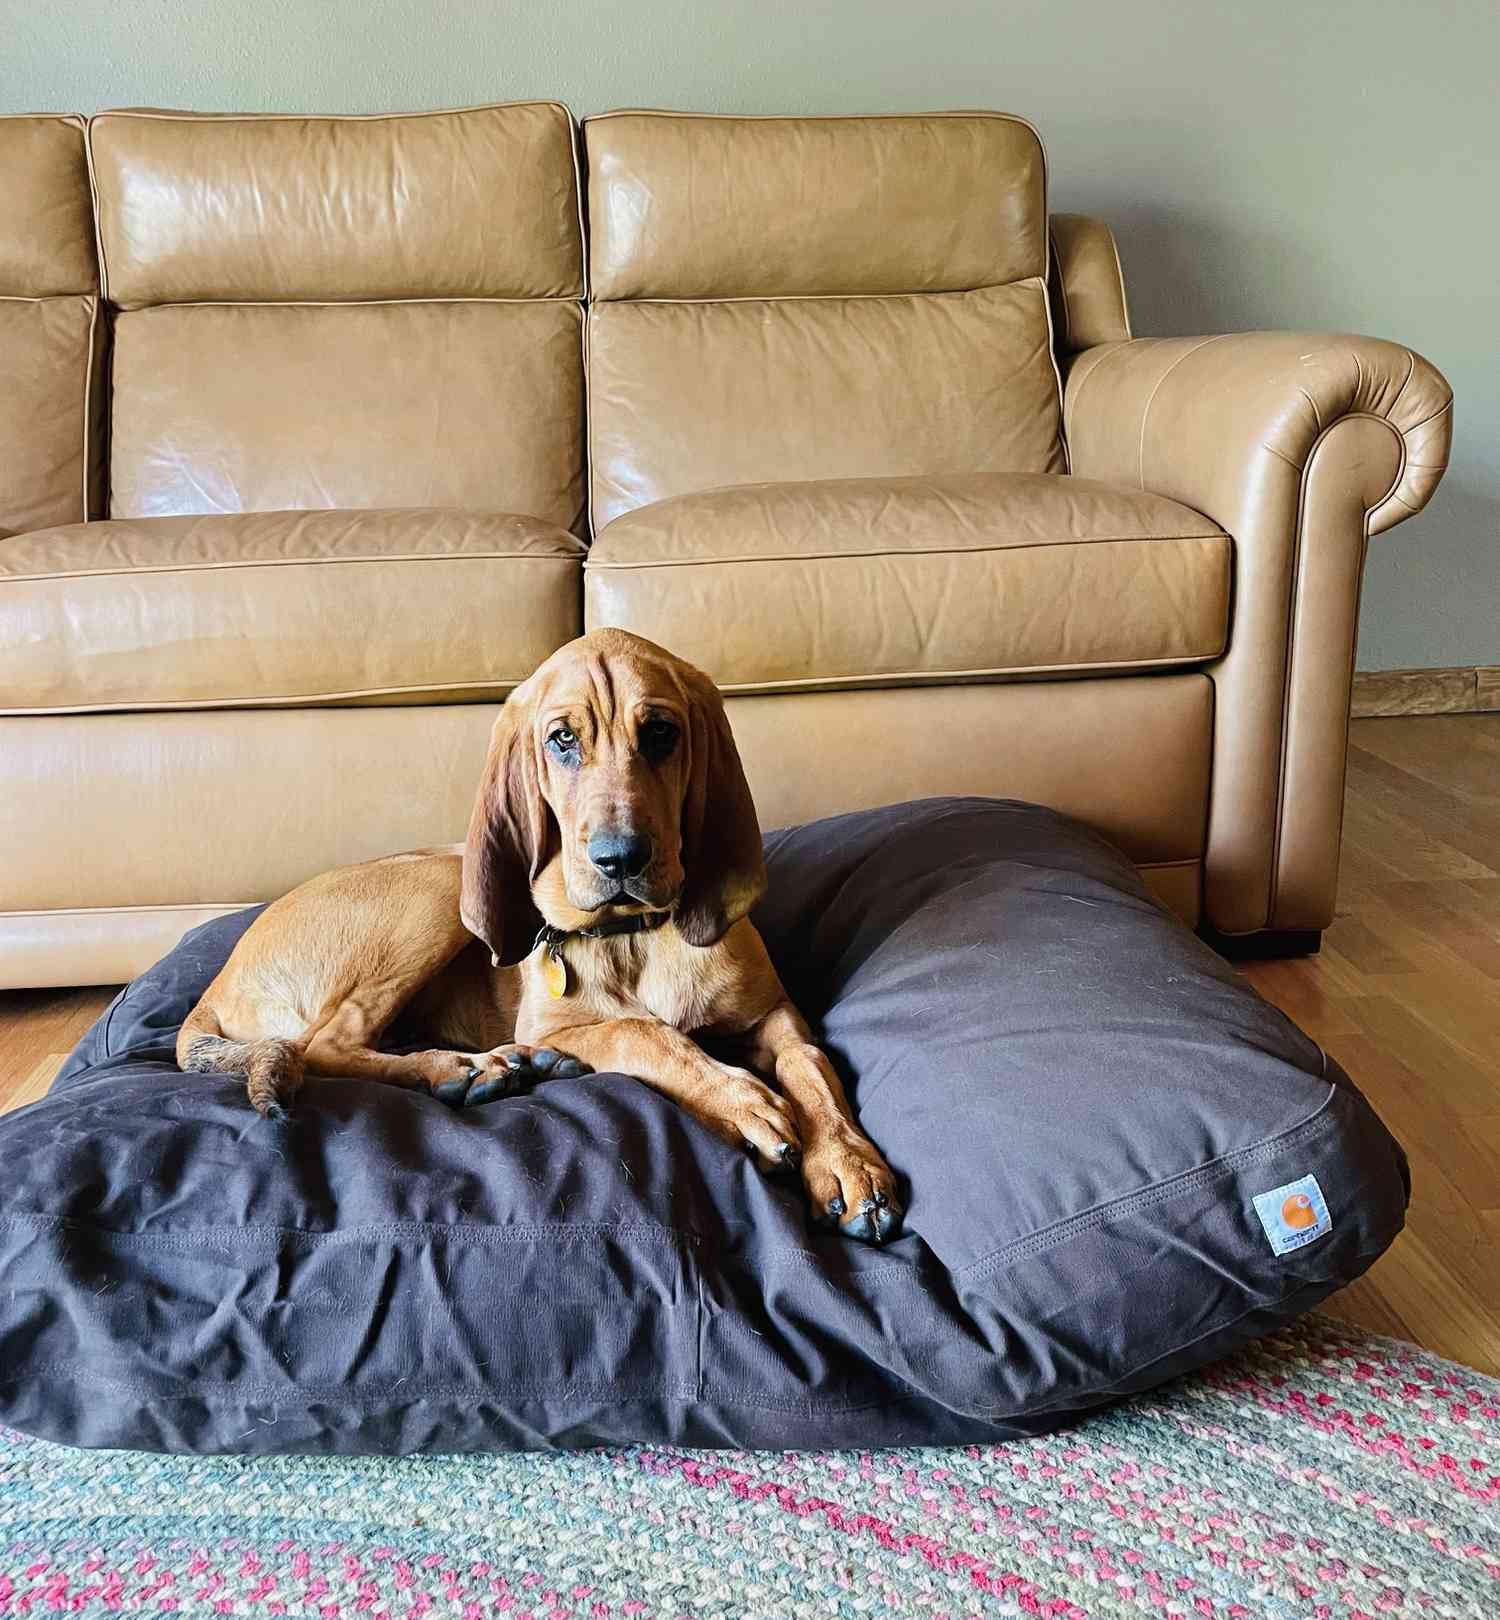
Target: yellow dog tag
pixel 555 972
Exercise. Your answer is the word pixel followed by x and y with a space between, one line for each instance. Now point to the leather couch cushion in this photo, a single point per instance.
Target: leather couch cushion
pixel 49 326
pixel 694 396
pixel 46 222
pixel 846 581
pixel 1087 285
pixel 49 423
pixel 344 312
pixel 779 298
pixel 481 203
pixel 690 206
pixel 255 408
pixel 281 607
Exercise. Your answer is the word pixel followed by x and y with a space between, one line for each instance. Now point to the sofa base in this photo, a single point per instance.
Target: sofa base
pixel 108 945
pixel 1265 945
pixel 137 826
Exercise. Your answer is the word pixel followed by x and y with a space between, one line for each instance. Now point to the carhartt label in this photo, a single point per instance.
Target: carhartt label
pixel 1294 1215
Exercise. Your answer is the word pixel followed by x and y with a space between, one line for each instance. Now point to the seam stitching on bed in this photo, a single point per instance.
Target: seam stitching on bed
pixel 1038 1242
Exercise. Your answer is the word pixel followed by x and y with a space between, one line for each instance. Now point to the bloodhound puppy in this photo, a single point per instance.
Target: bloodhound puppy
pixel 612 858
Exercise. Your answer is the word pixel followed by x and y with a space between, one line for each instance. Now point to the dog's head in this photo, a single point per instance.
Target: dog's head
pixel 612 786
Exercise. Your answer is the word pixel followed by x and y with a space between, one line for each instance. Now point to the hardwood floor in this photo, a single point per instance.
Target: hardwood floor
pixel 1406 994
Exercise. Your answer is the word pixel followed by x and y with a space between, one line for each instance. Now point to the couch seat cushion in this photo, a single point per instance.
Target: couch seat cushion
pixel 281 607
pixel 1094 1121
pixel 862 581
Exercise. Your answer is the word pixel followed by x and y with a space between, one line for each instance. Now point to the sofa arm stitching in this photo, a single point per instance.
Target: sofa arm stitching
pixel 1271 450
pixel 1313 406
pixel 1411 369
pixel 1416 427
pixel 1088 377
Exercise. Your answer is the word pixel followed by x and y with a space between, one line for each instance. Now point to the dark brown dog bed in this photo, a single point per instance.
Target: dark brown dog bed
pixel 1118 1163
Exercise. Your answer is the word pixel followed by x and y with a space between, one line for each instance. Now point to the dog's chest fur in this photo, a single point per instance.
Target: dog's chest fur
pixel 630 976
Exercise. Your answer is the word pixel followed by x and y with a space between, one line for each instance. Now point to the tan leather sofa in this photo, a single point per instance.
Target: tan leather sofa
pixel 316 435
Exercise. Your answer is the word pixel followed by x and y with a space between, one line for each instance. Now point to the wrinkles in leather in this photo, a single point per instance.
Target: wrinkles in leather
pixel 170 612
pixel 47 350
pixel 1129 755
pixel 827 582
pixel 46 224
pixel 1087 287
pixel 682 206
pixel 357 405
pixel 179 807
pixel 475 204
pixel 696 396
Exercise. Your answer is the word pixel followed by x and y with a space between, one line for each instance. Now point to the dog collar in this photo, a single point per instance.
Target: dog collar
pixel 638 924
pixel 550 940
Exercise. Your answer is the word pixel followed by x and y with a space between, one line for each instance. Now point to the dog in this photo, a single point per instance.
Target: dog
pixel 596 918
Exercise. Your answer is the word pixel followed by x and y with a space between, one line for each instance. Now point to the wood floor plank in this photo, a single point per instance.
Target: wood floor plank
pixel 36 1023
pixel 1424 1291
pixel 1306 995
pixel 1364 1304
pixel 1459 822
pixel 1453 752
pixel 34 1086
pixel 1451 914
pixel 1424 1119
pixel 1409 843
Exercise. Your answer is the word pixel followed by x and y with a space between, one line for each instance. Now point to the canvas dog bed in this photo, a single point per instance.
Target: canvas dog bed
pixel 1117 1161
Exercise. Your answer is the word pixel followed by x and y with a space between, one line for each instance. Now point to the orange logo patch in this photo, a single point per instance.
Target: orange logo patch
pixel 1298 1212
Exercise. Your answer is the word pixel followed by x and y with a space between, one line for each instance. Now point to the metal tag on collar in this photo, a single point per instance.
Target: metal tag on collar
pixel 555 970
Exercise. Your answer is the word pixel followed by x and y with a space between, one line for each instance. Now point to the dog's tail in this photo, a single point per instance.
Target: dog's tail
pixel 273 1069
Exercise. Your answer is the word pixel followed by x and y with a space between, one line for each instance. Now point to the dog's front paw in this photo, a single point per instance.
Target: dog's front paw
pixel 485 1077
pixel 851 1187
pixel 748 1115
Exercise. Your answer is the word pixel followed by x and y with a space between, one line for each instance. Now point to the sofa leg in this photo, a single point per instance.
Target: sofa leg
pixel 1266 945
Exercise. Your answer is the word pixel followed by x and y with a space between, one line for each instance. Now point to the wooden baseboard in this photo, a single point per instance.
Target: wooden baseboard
pixel 1426 691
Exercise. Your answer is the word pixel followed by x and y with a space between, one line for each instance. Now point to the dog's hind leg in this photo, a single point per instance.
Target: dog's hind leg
pixel 273 1069
pixel 344 1046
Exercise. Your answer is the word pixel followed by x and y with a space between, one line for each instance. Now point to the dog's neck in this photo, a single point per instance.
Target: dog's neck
pixel 605 928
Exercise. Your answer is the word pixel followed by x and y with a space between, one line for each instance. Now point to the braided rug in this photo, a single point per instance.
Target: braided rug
pixel 1323 1474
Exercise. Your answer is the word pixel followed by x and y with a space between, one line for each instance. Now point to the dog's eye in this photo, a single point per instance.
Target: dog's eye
pixel 562 742
pixel 658 738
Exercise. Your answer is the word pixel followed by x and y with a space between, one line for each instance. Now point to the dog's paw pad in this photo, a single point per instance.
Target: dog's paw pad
pixel 876 1221
pixel 488 1091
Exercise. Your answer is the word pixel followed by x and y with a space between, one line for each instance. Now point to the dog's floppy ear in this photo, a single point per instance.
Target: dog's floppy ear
pixel 507 843
pixel 722 859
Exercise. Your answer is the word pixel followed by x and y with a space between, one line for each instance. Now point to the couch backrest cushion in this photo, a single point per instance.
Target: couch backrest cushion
pixel 344 312
pixel 49 326
pixel 789 298
pixel 682 206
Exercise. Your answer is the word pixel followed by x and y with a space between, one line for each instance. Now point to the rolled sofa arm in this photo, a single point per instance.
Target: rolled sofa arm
pixel 1300 447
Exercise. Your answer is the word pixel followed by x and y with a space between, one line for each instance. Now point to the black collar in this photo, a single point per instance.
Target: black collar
pixel 638 924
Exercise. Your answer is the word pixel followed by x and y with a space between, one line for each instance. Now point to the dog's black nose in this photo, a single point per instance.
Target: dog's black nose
pixel 620 855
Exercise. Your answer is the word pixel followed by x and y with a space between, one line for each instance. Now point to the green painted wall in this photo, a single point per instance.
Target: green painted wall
pixel 1329 165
